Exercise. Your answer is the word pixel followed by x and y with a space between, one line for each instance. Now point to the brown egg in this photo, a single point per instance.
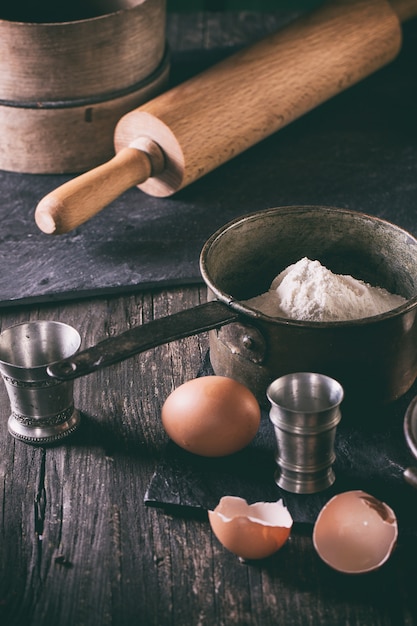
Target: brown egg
pixel 355 533
pixel 211 416
pixel 251 531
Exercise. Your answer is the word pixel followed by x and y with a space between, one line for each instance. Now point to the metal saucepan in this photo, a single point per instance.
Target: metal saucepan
pixel 375 359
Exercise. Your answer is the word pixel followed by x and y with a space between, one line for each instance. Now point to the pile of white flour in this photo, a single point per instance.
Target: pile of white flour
pixel 309 291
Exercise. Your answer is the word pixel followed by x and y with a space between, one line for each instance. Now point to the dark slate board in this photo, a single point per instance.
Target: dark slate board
pixel 371 455
pixel 358 151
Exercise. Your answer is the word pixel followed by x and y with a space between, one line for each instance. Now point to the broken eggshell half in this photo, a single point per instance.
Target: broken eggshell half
pixel 355 533
pixel 251 531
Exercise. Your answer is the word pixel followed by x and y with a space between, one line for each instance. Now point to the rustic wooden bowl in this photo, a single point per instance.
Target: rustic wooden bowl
pixel 65 82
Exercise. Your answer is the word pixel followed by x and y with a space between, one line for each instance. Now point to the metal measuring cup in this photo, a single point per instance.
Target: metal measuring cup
pixel 305 411
pixel 42 407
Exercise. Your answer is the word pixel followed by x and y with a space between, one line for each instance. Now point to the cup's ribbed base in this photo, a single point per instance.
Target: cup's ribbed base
pixel 43 435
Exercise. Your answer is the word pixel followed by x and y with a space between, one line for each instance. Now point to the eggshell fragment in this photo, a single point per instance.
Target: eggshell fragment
pixel 355 533
pixel 211 416
pixel 251 531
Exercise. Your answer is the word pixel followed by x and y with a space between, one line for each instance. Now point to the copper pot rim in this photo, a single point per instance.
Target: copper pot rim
pixel 243 309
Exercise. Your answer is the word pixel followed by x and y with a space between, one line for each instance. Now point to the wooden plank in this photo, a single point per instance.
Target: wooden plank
pixel 105 558
pixel 87 493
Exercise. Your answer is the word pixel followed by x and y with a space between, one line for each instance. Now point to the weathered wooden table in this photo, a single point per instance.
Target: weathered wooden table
pixel 78 546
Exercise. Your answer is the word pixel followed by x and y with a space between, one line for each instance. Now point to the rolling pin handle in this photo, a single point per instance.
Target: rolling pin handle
pixel 154 152
pixel 79 199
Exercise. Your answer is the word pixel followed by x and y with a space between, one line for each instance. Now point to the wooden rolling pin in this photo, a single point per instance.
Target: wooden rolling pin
pixel 186 132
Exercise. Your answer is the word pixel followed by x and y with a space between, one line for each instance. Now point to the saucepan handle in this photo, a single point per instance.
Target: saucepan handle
pixel 141 338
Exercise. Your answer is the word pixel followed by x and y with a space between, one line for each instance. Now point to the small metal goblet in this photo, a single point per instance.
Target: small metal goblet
pixel 42 407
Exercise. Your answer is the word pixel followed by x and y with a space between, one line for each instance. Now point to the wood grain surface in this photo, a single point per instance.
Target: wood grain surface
pixel 82 56
pixel 74 524
pixel 79 547
pixel 65 84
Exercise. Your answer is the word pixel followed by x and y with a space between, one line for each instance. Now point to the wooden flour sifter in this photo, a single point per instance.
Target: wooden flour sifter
pixel 186 132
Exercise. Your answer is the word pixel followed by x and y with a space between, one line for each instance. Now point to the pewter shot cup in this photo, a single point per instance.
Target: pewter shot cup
pixel 42 407
pixel 305 411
